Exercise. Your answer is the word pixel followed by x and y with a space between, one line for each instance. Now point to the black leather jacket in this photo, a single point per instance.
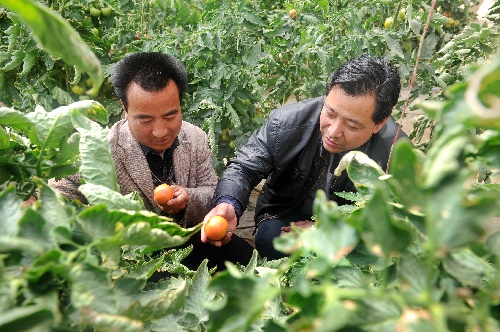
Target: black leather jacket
pixel 288 151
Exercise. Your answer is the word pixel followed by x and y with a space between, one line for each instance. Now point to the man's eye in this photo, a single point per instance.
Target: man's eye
pixel 146 121
pixel 352 128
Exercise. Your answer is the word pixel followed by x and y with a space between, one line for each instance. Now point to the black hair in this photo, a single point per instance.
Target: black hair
pixel 369 75
pixel 150 70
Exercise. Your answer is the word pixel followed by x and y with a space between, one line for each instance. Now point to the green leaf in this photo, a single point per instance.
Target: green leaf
pixel 97 194
pixel 405 168
pixel 429 48
pixel 97 163
pixel 100 215
pixel 333 238
pixel 382 235
pixel 252 18
pixel 393 45
pixel 492 243
pixel 416 26
pixel 91 289
pixel 27 318
pixel 57 37
pixel 363 171
pixel 16 59
pixel 156 303
pixel 4 139
pixel 442 162
pixel 61 96
pixel 199 295
pixel 91 109
pixel 50 127
pixel 34 228
pixel 10 212
pixel 15 119
pixel 145 270
pixel 10 243
pixel 29 62
pixel 106 322
pixel 412 275
pixel 467 267
pixel 457 216
pixel 245 298
pixel 53 209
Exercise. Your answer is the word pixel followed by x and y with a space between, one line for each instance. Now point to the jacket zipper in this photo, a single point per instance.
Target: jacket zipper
pixel 293 207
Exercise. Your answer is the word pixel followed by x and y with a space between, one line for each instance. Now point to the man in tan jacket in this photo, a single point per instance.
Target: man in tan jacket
pixel 153 145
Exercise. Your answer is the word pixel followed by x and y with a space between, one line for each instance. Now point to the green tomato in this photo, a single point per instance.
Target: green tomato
pixel 95 31
pixel 94 11
pixel 402 14
pixel 106 11
pixel 388 22
pixel 77 89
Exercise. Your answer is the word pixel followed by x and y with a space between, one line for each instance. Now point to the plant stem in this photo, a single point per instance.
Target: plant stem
pixel 413 78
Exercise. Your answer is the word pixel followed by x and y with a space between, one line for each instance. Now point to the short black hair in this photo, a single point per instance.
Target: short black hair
pixel 366 75
pixel 150 70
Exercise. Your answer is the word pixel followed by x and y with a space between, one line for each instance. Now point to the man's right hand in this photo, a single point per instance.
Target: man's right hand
pixel 227 212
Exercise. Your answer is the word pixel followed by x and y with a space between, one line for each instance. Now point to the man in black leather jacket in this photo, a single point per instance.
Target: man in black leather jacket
pixel 300 146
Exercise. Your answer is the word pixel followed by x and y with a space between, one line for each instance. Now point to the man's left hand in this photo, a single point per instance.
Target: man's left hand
pixel 301 224
pixel 178 202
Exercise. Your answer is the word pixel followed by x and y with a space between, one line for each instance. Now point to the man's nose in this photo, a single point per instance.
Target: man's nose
pixel 159 130
pixel 335 129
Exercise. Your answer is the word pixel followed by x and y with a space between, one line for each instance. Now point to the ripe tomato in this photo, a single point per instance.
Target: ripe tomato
pixel 293 13
pixel 163 193
pixel 216 228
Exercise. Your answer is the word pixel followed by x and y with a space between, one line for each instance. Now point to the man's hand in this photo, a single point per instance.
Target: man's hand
pixel 301 224
pixel 178 202
pixel 227 212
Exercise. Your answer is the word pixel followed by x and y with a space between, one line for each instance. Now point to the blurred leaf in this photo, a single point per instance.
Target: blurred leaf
pixel 53 209
pixel 467 267
pixel 97 166
pixel 458 218
pixel 405 168
pixel 364 172
pixel 245 298
pixel 10 212
pixel 50 127
pixel 57 37
pixel 412 275
pixel 97 194
pixel 380 232
pixel 15 119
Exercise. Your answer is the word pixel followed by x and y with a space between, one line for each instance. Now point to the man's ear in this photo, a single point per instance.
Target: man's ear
pixel 124 109
pixel 380 125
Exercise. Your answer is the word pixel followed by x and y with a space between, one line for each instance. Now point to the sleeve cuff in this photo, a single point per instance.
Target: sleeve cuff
pixel 234 202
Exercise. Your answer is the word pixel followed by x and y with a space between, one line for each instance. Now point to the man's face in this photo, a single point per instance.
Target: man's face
pixel 346 121
pixel 154 118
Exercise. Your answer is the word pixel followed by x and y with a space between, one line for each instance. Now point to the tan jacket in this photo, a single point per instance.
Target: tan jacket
pixel 192 166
